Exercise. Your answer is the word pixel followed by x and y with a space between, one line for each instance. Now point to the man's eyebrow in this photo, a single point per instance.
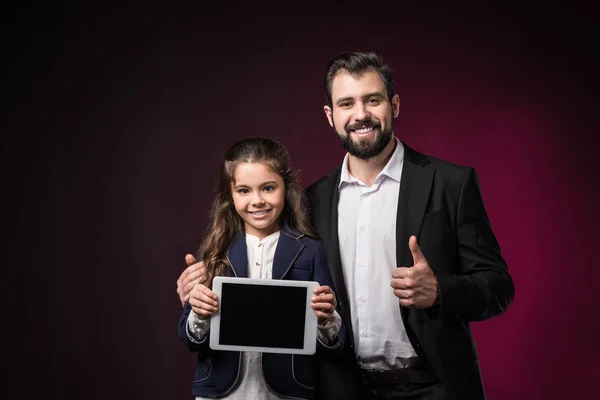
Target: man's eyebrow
pixel 373 94
pixel 343 99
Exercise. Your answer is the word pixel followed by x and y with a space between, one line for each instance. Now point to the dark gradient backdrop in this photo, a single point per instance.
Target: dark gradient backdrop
pixel 118 117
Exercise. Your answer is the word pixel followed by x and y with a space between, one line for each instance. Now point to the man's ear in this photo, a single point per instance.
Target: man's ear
pixel 327 110
pixel 396 105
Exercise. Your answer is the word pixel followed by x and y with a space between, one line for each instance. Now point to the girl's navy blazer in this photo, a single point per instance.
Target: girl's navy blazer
pixel 297 257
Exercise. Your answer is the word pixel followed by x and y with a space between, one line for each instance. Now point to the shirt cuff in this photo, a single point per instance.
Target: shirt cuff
pixel 197 328
pixel 328 333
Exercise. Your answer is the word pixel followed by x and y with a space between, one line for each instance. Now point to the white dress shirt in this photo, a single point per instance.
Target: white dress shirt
pixel 367 236
pixel 251 385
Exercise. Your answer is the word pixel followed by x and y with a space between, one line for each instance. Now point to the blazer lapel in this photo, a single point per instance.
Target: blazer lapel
pixel 415 185
pixel 238 256
pixel 286 252
pixel 327 226
pixel 326 221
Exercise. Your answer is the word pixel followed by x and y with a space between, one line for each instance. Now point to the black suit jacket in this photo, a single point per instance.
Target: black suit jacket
pixel 441 204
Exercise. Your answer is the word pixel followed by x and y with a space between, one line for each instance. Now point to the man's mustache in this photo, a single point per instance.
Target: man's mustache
pixel 363 124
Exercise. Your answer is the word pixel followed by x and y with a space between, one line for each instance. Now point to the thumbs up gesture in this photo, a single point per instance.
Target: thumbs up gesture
pixel 415 286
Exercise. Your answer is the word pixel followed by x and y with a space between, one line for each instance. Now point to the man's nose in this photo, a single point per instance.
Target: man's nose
pixel 361 113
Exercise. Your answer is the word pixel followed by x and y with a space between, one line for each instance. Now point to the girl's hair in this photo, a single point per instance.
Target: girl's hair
pixel 224 222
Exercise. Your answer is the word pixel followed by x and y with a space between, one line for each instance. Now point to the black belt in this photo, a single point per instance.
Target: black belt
pixel 397 376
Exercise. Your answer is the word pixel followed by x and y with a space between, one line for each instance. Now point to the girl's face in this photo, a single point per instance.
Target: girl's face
pixel 258 196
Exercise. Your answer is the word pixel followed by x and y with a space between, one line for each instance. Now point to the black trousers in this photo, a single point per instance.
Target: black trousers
pixel 411 391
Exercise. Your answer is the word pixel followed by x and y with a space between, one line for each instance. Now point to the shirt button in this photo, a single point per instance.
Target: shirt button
pixel 362 263
pixel 259 244
pixel 362 298
pixel 362 227
pixel 364 334
pixel 258 264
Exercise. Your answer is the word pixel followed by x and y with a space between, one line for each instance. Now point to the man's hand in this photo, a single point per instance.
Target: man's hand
pixel 324 303
pixel 191 276
pixel 204 301
pixel 415 286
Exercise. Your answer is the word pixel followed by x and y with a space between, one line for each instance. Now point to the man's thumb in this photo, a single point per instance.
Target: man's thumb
pixel 417 254
pixel 190 259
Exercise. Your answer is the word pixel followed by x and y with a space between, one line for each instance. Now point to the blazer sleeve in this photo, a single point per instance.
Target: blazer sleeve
pixel 483 288
pixel 201 347
pixel 321 275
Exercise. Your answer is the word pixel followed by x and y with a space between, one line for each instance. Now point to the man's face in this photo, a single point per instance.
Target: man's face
pixel 362 114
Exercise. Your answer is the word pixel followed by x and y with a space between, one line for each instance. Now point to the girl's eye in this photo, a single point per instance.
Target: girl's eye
pixel 243 191
pixel 268 188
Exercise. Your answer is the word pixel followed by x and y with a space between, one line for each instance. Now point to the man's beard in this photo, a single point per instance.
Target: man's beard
pixel 366 150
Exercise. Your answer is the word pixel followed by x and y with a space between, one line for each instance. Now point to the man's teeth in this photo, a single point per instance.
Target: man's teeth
pixel 259 212
pixel 363 130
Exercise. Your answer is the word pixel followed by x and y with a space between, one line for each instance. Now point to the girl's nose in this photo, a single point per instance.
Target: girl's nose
pixel 258 200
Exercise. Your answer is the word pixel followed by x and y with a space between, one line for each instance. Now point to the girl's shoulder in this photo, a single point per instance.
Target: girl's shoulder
pixel 311 240
pixel 301 237
pixel 312 245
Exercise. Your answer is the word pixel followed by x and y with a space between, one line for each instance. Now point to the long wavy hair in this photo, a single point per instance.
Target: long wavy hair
pixel 224 222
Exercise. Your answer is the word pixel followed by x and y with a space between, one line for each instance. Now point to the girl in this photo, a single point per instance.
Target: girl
pixel 259 208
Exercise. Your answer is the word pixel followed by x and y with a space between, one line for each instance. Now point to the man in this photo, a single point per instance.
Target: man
pixel 410 249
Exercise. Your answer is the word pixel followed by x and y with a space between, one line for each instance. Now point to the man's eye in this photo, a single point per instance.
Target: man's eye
pixel 373 101
pixel 345 104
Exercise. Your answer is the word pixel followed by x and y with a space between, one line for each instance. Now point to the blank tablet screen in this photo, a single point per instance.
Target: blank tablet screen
pixel 262 316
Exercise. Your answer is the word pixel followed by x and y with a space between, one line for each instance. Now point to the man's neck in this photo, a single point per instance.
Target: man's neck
pixel 367 170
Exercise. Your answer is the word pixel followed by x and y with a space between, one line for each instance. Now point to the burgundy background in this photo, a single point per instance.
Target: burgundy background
pixel 117 119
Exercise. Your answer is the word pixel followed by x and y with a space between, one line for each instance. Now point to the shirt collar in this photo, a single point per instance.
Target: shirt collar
pixel 393 168
pixel 253 240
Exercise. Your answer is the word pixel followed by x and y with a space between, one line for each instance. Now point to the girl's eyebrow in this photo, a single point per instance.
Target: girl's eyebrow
pixel 242 185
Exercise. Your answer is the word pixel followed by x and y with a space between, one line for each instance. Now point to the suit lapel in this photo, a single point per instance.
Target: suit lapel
pixel 238 256
pixel 415 186
pixel 327 226
pixel 286 252
pixel 326 221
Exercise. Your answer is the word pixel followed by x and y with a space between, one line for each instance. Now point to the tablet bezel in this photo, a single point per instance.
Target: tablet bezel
pixel 310 320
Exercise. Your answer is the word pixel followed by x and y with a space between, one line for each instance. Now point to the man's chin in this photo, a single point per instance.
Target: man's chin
pixel 365 147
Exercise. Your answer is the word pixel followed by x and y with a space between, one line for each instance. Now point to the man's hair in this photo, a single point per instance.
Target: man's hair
pixel 356 64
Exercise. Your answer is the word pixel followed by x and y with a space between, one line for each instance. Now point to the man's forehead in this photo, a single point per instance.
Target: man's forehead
pixel 344 82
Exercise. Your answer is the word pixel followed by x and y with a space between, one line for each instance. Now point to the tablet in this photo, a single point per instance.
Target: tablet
pixel 270 316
